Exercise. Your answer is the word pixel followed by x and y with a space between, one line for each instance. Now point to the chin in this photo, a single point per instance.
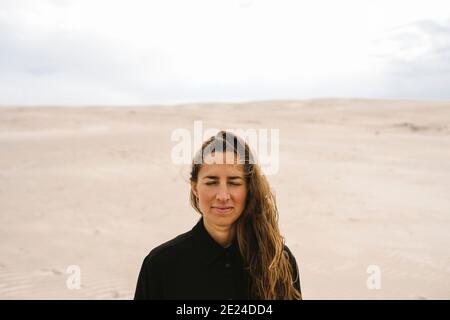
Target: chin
pixel 223 219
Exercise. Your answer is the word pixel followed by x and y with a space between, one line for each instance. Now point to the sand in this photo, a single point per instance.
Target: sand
pixel 361 183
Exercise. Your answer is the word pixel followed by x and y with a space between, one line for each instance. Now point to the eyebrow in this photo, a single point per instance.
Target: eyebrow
pixel 217 178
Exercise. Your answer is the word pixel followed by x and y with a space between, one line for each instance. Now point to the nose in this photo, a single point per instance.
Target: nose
pixel 223 194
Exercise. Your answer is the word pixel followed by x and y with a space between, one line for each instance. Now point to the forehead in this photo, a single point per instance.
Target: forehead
pixel 221 164
pixel 221 170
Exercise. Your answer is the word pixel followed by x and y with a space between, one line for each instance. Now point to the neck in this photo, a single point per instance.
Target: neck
pixel 223 235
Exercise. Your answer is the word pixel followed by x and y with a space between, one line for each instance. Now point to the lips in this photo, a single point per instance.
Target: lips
pixel 223 209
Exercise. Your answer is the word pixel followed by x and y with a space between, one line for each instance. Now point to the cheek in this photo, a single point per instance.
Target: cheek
pixel 205 195
pixel 239 197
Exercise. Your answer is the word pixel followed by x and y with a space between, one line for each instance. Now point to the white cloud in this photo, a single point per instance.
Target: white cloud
pixel 136 51
pixel 417 59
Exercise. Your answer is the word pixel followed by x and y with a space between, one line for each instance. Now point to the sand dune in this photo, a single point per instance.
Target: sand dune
pixel 360 183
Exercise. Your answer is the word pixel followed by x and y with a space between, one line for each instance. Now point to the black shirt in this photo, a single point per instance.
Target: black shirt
pixel 194 266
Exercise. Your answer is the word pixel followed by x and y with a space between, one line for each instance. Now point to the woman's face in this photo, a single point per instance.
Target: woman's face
pixel 221 191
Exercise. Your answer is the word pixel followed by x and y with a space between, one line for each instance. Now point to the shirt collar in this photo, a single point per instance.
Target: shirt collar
pixel 209 249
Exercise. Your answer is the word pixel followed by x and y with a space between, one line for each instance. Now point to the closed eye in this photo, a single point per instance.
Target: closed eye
pixel 232 183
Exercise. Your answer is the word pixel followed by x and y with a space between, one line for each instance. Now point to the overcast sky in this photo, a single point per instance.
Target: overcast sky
pixel 77 52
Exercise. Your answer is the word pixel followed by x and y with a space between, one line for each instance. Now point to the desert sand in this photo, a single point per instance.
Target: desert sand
pixel 361 183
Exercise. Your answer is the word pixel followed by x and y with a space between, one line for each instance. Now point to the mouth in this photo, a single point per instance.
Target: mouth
pixel 223 209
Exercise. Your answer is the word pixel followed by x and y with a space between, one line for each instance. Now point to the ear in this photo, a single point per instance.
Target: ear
pixel 194 188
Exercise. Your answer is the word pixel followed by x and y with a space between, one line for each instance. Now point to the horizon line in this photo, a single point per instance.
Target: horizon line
pixel 219 102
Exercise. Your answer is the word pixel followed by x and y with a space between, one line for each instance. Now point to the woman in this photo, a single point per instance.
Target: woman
pixel 235 251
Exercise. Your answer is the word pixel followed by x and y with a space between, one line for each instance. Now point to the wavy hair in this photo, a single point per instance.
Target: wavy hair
pixel 257 232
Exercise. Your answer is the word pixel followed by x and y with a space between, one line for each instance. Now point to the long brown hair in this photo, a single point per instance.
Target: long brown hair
pixel 257 232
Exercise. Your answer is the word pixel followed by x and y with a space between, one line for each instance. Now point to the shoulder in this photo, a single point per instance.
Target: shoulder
pixel 290 256
pixel 288 251
pixel 170 250
pixel 294 268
